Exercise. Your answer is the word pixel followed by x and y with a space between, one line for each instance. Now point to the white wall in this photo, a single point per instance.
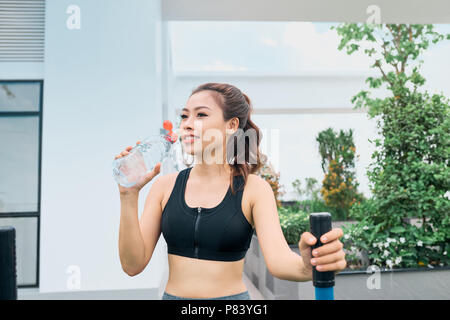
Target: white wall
pixel 21 70
pixel 268 90
pixel 101 94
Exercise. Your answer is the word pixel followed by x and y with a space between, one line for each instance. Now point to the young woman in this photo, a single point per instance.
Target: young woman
pixel 208 212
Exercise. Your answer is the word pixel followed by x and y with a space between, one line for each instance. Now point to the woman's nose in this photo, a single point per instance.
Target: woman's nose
pixel 191 123
pixel 188 123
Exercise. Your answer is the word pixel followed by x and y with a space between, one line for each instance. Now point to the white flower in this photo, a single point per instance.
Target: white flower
pixel 398 260
pixel 391 240
pixel 445 253
pixel 375 244
pixel 402 240
pixel 346 236
pixel 352 248
pixel 386 244
pixel 419 243
pixel 389 263
pixel 385 253
pixel 365 228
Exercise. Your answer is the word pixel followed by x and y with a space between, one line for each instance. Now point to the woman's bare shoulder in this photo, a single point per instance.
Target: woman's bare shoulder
pixel 255 180
pixel 258 185
pixel 255 184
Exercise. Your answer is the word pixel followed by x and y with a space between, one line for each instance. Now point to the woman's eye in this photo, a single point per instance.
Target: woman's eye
pixel 183 116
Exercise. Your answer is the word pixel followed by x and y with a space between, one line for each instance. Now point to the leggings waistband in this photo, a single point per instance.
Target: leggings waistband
pixel 239 296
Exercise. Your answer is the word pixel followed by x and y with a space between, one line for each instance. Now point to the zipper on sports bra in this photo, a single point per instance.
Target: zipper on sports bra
pixel 197 219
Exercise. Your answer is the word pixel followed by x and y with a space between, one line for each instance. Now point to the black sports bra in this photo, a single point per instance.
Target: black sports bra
pixel 220 233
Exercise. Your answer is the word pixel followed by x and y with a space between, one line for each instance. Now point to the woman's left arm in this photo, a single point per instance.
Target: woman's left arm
pixel 281 261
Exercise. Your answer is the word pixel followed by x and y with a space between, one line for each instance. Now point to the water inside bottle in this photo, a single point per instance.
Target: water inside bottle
pixel 142 159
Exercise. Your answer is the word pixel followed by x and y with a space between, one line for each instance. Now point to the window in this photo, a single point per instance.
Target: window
pixel 20 162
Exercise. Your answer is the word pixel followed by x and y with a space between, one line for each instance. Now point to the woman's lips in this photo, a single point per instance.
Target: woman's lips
pixel 190 139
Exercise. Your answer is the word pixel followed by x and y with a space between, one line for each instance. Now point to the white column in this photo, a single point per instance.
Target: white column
pixel 101 93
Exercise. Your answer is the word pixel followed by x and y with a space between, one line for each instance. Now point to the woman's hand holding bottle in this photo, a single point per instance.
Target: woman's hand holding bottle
pixel 143 181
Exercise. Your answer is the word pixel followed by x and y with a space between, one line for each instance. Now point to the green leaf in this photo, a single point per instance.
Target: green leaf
pixel 397 229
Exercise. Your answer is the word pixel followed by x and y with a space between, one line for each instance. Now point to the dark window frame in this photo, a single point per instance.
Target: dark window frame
pixel 34 214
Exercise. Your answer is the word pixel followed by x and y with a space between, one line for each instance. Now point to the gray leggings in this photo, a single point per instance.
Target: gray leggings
pixel 239 296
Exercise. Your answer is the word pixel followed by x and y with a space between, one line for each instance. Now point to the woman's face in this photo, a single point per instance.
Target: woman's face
pixel 202 117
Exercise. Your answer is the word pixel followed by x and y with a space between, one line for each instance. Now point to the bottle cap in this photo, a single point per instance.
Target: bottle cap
pixel 167 124
pixel 170 135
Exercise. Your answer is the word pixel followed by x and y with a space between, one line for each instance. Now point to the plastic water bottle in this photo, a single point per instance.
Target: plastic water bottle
pixel 142 158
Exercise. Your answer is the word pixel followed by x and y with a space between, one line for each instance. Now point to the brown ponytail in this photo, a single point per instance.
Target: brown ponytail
pixel 235 103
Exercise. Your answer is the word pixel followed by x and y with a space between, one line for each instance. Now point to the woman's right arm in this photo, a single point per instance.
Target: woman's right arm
pixel 137 239
pixel 131 244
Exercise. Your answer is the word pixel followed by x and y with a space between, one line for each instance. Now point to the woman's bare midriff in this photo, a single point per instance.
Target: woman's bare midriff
pixel 198 278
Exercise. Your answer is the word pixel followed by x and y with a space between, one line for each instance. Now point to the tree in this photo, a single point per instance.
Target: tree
pixel 339 187
pixel 410 174
pixel 311 191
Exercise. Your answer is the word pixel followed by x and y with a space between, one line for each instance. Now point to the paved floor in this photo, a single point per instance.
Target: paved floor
pixel 252 290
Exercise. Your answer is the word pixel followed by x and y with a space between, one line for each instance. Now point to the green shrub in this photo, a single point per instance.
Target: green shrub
pixel 313 201
pixel 407 246
pixel 293 224
pixel 311 206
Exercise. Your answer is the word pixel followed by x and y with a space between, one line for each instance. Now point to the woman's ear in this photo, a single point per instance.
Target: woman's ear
pixel 233 125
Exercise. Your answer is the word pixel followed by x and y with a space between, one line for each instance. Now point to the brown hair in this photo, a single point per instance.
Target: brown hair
pixel 235 103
